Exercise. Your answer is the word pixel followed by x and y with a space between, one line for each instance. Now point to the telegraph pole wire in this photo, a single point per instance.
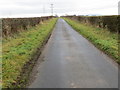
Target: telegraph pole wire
pixel 43 10
pixel 52 9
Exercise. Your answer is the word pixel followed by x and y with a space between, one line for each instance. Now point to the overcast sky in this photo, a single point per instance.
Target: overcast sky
pixel 28 8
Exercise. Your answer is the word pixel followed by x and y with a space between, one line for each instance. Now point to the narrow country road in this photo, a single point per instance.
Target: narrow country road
pixel 71 61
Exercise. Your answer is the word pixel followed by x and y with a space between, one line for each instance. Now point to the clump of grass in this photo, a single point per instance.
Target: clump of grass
pixel 102 38
pixel 19 49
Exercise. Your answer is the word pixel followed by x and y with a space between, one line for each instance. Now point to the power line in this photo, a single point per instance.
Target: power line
pixel 44 10
pixel 52 9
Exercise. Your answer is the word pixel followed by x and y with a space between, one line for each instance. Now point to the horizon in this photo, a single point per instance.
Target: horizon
pixel 38 8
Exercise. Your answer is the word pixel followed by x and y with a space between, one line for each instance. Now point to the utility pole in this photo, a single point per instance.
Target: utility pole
pixel 52 9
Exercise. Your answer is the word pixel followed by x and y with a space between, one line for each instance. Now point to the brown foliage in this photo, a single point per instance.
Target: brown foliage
pixel 109 22
pixel 14 25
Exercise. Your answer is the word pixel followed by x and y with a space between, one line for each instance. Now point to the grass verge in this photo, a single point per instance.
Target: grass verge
pixel 19 50
pixel 101 38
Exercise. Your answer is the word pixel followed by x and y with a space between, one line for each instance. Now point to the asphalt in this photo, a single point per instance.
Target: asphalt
pixel 71 61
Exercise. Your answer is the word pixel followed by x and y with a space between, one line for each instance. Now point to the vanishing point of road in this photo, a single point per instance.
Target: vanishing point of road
pixel 70 61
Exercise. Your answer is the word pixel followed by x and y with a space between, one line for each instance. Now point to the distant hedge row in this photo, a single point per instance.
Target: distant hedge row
pixel 13 25
pixel 109 22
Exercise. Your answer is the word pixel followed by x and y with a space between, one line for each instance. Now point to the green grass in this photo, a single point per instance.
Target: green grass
pixel 19 49
pixel 101 38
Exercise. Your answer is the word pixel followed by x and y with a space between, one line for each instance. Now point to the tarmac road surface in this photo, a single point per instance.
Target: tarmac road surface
pixel 71 61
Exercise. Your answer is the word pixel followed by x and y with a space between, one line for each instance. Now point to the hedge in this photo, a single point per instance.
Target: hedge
pixel 107 22
pixel 13 25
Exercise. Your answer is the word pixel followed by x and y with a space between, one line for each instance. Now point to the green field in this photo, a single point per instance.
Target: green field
pixel 19 49
pixel 102 38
